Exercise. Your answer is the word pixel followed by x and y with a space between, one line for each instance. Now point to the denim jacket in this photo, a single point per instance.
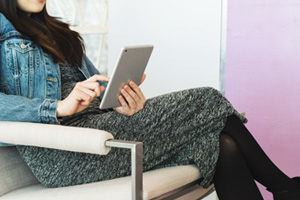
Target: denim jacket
pixel 29 79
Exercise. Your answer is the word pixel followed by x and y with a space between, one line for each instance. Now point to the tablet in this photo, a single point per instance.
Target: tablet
pixel 131 65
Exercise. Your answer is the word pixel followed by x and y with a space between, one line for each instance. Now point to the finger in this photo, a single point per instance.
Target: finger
pixel 82 97
pixel 101 89
pixel 138 104
pixel 132 104
pixel 124 108
pixel 87 91
pixel 97 77
pixel 131 92
pixel 143 78
pixel 94 86
pixel 123 103
pixel 138 91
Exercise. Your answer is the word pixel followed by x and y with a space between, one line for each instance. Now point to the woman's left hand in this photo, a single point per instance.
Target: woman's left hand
pixel 132 99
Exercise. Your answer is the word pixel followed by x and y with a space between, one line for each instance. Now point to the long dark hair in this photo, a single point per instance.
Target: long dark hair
pixel 54 36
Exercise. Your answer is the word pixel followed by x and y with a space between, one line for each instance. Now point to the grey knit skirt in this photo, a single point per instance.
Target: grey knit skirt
pixel 179 128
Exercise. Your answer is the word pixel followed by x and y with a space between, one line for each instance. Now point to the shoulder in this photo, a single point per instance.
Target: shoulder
pixel 86 63
pixel 6 26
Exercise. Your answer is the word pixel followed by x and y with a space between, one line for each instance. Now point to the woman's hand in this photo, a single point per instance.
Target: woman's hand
pixel 81 96
pixel 132 99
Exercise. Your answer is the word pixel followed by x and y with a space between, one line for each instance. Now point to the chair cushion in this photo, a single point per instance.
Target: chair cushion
pixel 156 183
pixel 14 172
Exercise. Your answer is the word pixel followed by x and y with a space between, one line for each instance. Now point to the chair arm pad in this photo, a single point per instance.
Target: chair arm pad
pixel 75 139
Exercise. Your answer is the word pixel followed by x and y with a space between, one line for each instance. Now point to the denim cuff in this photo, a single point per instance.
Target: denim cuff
pixel 48 111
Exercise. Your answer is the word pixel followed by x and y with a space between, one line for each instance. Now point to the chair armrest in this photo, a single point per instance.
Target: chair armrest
pixel 85 140
pixel 75 139
pixel 136 165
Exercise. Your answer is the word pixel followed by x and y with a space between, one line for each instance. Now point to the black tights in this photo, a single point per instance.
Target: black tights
pixel 241 161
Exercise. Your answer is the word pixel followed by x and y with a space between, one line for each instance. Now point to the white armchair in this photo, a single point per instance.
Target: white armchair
pixel 18 183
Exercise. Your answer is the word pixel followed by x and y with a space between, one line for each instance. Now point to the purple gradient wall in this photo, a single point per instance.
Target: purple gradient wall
pixel 263 75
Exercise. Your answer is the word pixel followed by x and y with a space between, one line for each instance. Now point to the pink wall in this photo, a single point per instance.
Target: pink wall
pixel 263 75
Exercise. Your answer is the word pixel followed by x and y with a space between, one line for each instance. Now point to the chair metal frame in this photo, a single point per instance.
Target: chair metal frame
pixel 136 165
pixel 137 174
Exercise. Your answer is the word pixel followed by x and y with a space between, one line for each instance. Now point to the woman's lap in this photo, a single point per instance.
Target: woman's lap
pixel 177 128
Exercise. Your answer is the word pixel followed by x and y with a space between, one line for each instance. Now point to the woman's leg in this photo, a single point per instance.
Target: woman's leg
pixel 261 167
pixel 233 180
pixel 176 129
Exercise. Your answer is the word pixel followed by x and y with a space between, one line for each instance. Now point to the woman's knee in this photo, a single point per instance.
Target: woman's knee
pixel 228 146
pixel 213 91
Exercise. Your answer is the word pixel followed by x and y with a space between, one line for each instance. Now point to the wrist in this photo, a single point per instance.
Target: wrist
pixel 58 109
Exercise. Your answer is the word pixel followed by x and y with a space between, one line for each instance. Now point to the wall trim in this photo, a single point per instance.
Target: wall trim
pixel 223 42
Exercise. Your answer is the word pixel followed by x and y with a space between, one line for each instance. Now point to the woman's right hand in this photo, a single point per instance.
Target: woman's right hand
pixel 81 96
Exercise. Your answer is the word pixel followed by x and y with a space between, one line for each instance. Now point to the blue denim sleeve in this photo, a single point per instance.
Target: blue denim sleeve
pixel 92 71
pixel 22 109
pixel 5 144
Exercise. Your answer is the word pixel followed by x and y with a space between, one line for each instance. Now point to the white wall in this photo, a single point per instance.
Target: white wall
pixel 185 35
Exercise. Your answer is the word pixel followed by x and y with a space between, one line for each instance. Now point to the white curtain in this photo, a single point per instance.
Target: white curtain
pixel 89 18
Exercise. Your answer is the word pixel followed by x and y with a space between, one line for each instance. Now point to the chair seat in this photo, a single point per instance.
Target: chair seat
pixel 156 183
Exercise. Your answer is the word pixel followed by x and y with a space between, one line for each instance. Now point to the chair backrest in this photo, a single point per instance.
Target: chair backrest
pixel 14 172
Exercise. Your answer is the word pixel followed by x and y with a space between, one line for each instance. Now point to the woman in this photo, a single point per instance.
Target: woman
pixel 44 81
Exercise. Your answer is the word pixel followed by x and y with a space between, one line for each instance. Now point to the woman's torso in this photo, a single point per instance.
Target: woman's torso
pixel 26 70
